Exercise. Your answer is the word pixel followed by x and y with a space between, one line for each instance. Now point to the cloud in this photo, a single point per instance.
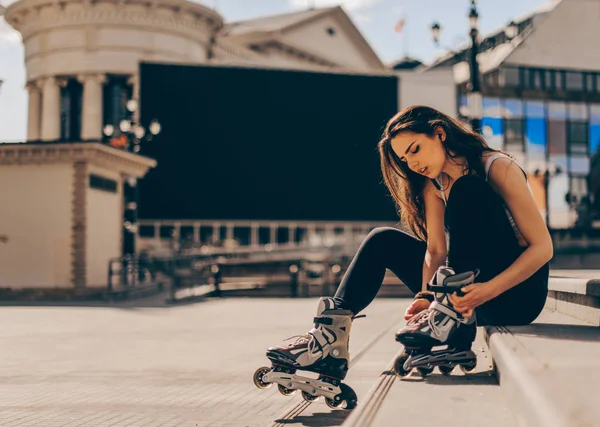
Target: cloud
pixel 348 5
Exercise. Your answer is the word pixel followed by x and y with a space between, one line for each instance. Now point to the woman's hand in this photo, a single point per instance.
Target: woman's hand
pixel 416 307
pixel 475 295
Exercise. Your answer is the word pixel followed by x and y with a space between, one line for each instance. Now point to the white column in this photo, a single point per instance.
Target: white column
pixel 230 227
pixel 254 235
pixel 50 127
pixel 33 116
pixel 91 117
pixel 273 236
pixel 197 226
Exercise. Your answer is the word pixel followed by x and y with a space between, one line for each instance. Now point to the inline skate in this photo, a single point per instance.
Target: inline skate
pixel 322 350
pixel 439 325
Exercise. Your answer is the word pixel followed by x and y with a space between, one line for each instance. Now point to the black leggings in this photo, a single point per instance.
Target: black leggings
pixel 481 236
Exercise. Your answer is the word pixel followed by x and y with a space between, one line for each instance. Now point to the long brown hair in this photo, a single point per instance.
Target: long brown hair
pixel 406 186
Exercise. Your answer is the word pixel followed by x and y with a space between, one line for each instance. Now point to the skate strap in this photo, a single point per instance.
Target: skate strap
pixel 454 283
pixel 319 337
pixel 443 309
pixel 323 320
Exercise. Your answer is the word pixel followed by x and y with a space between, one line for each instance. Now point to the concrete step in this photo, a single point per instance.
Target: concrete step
pixel 549 370
pixel 468 400
pixel 575 293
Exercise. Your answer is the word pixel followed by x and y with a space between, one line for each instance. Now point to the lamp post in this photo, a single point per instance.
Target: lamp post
pixel 474 96
pixel 129 136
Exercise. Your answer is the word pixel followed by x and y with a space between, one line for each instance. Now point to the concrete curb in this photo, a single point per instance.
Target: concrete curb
pixel 516 369
pixel 364 414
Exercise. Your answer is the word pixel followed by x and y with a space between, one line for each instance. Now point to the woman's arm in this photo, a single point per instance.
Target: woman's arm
pixel 508 180
pixel 436 253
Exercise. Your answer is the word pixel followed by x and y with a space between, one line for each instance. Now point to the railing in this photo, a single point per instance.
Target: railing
pixel 192 273
pixel 167 237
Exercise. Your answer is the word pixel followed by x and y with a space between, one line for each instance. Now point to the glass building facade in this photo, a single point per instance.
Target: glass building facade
pixel 549 120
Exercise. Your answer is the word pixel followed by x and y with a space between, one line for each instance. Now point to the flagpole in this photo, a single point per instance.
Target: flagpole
pixel 405 39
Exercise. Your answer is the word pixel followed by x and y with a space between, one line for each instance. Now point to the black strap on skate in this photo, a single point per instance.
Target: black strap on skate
pixel 323 320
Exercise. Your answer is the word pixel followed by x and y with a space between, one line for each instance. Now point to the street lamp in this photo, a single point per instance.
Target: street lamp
pixel 474 97
pixel 130 134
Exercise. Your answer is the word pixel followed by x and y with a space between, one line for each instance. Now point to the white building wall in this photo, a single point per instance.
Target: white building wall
pixel 337 48
pixel 104 214
pixel 434 88
pixel 35 215
pixel 566 37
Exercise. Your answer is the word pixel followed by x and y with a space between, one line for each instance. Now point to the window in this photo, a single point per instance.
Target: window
pixel 550 79
pixel 557 138
pixel 573 81
pixel 331 31
pixel 513 135
pixel 70 110
pixel 511 77
pixel 116 94
pixel 559 80
pixel 538 81
pixel 577 137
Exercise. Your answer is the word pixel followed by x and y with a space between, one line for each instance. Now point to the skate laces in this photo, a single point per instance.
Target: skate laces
pixel 421 317
pixel 300 339
pixel 425 316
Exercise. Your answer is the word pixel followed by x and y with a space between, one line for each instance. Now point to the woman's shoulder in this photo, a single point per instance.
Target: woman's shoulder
pixel 502 166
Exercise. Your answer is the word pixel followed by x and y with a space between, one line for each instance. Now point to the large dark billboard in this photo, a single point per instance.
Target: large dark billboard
pixel 239 143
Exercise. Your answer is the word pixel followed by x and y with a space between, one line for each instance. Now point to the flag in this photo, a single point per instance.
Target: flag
pixel 399 25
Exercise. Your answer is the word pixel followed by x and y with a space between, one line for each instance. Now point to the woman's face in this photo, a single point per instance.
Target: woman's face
pixel 423 154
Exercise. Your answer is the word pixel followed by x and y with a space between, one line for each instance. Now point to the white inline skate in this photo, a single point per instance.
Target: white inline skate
pixel 439 325
pixel 323 350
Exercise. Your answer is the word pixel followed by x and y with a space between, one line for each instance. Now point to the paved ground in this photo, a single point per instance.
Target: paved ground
pixel 188 365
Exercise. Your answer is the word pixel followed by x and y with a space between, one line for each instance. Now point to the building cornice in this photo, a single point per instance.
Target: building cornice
pixel 30 17
pixel 68 153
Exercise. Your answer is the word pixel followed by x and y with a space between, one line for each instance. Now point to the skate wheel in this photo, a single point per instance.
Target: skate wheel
pixel 424 371
pixel 399 365
pixel 332 403
pixel 286 391
pixel 468 367
pixel 258 378
pixel 347 399
pixel 309 397
pixel 446 370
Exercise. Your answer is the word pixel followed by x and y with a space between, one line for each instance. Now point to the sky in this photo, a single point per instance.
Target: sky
pixel 374 18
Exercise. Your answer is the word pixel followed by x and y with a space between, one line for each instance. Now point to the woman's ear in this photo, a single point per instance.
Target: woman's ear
pixel 441 134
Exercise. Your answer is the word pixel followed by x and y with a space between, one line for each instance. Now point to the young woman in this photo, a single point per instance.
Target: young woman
pixel 467 206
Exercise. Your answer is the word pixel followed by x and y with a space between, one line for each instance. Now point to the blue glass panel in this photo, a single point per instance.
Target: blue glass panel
pixel 493 131
pixel 535 109
pixel 492 107
pixel 595 113
pixel 594 138
pixel 535 138
pixel 513 108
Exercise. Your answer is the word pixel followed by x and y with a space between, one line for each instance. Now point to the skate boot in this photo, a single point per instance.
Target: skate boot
pixel 322 350
pixel 439 325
